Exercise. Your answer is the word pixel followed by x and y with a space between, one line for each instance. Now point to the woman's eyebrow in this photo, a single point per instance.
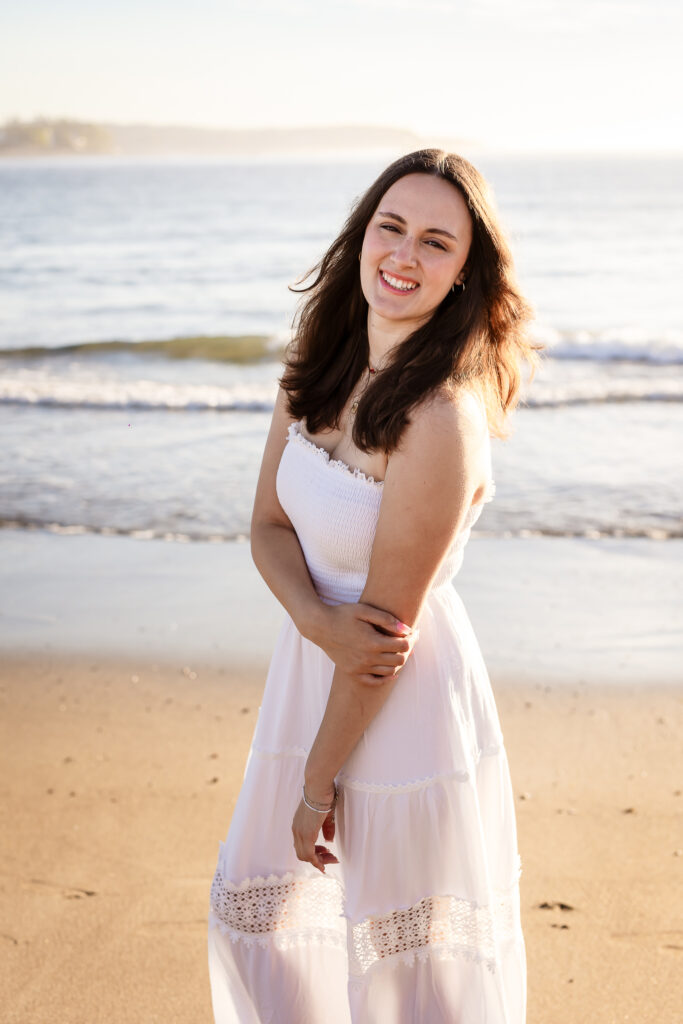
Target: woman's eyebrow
pixel 402 220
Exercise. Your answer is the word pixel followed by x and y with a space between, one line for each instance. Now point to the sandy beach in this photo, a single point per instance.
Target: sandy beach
pixel 130 680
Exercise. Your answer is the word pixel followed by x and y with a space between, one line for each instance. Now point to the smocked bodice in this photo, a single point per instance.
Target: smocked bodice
pixel 334 510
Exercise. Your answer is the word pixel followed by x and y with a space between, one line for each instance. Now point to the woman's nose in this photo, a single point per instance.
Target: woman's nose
pixel 405 250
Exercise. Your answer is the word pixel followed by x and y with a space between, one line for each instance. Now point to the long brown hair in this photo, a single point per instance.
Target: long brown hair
pixel 479 334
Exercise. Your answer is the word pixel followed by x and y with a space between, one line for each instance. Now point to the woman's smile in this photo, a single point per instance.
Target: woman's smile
pixel 396 284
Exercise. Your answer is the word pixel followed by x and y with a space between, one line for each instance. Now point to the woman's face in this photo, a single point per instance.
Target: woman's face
pixel 414 249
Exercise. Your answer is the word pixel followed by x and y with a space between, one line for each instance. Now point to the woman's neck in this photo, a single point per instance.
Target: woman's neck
pixel 383 337
pixel 380 345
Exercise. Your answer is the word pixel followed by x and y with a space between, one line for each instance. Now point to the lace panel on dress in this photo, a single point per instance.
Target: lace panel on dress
pixel 289 910
pixel 442 926
pixel 294 910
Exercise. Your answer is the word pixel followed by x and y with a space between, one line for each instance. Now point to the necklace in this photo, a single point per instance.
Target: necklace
pixel 356 401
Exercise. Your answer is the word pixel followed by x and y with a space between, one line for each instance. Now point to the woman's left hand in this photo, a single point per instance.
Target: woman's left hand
pixel 305 829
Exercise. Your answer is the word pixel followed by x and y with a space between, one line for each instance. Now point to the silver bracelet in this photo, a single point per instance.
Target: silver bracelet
pixel 320 810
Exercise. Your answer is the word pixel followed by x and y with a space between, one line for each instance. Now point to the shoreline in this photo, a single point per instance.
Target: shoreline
pixel 543 609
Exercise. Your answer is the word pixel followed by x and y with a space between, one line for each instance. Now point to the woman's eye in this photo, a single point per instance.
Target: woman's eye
pixel 430 241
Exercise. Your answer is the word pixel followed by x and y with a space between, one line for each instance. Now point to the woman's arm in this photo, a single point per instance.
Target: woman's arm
pixel 364 640
pixel 274 544
pixel 431 481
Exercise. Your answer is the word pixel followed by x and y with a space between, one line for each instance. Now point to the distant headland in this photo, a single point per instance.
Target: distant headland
pixel 63 136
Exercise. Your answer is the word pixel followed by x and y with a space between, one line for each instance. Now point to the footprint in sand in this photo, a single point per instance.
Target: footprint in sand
pixel 554 905
pixel 674 946
pixel 67 891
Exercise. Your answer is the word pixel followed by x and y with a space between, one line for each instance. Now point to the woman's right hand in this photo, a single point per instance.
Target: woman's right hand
pixel 365 643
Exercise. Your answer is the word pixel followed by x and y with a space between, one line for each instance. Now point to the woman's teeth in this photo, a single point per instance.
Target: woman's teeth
pixel 404 286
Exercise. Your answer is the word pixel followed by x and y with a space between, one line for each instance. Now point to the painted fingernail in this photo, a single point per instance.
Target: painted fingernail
pixel 402 626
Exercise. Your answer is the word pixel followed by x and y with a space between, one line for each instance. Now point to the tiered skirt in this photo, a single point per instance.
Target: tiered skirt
pixel 420 919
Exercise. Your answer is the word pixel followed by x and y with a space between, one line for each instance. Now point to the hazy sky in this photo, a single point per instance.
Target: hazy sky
pixel 522 74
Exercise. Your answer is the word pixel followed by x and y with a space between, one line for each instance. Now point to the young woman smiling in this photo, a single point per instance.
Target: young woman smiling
pixel 378 725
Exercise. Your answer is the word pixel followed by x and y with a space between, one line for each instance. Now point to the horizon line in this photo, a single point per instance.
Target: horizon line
pixel 437 139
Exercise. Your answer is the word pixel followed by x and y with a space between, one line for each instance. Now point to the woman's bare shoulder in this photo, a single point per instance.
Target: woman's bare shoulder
pixel 448 415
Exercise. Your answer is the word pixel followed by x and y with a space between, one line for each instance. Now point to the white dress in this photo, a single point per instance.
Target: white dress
pixel 419 923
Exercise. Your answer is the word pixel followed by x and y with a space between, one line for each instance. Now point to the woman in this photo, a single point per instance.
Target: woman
pixel 378 725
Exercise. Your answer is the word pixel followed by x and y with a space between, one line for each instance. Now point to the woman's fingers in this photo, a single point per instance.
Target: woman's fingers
pixel 381 663
pixel 360 638
pixel 378 617
pixel 375 678
pixel 329 827
pixel 325 855
pixel 392 660
pixel 316 855
pixel 305 829
pixel 392 645
pixel 383 670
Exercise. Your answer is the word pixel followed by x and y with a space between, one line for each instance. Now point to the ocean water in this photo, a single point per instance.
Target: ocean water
pixel 112 423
